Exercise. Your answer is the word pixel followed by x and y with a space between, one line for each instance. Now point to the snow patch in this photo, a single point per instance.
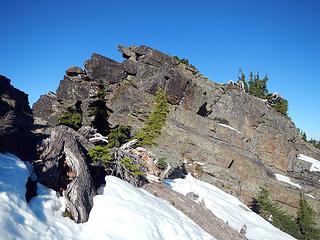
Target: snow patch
pixel 315 164
pixel 309 195
pixel 98 137
pixel 286 179
pixel 227 126
pixel 229 208
pixel 121 212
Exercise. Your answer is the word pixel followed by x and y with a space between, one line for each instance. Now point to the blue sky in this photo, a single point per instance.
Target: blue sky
pixel 40 39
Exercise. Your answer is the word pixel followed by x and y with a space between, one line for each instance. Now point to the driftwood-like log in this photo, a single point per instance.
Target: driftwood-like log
pixel 63 167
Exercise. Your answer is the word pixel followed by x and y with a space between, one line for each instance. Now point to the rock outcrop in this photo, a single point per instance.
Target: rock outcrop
pixel 16 121
pixel 225 136
pixel 62 166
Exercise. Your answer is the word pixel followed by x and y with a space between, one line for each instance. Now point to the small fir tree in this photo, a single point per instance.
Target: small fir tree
pixel 305 221
pixel 242 77
pixel 156 120
pixel 119 136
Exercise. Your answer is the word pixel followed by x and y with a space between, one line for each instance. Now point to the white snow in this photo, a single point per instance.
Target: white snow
pixel 227 126
pixel 98 137
pixel 121 212
pixel 309 195
pixel 229 209
pixel 315 164
pixel 286 179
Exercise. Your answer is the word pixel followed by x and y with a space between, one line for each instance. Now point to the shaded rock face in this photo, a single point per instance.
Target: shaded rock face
pixel 15 121
pixel 225 136
pixel 62 166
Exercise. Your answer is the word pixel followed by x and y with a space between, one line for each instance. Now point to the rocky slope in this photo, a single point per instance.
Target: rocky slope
pixel 226 137
pixel 16 121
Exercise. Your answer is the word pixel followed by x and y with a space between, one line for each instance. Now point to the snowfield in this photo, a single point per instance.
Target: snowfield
pixel 287 180
pixel 229 209
pixel 121 212
pixel 315 164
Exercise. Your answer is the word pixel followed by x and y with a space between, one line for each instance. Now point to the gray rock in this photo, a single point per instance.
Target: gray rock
pixel 74 71
pixel 193 196
pixel 239 155
pixel 16 121
pixel 106 70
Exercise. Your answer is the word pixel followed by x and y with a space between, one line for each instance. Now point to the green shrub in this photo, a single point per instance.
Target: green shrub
pixel 131 166
pixel 162 163
pixel 281 104
pixel 72 120
pixel 119 136
pixel 156 120
pixel 100 154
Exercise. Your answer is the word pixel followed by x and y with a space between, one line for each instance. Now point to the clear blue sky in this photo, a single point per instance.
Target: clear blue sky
pixel 40 39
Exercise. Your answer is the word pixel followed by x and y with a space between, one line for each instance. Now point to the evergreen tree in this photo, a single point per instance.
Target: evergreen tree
pixel 273 213
pixel 305 221
pixel 304 136
pixel 257 86
pixel 315 143
pixel 99 110
pixel 282 106
pixel 156 120
pixel 242 77
pixel 119 136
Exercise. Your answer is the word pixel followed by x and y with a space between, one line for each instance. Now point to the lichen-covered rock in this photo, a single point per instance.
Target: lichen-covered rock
pixel 16 121
pixel 62 166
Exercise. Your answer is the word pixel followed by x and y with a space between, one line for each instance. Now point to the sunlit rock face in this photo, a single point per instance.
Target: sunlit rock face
pixel 226 136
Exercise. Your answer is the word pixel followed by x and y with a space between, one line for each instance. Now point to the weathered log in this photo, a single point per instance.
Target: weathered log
pixel 63 167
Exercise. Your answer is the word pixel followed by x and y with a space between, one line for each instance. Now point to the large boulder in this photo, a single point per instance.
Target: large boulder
pixel 16 121
pixel 62 166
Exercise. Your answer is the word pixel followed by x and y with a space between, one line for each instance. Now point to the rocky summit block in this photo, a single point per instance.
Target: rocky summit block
pixel 225 136
pixel 16 121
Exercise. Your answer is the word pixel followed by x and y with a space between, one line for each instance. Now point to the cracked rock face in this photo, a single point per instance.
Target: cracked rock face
pixel 15 121
pixel 226 137
pixel 62 166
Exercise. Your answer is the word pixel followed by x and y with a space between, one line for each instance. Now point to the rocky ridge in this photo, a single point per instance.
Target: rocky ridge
pixel 225 136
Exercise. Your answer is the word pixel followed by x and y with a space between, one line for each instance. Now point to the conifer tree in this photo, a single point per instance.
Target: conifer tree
pixel 242 77
pixel 305 221
pixel 257 86
pixel 273 213
pixel 282 106
pixel 304 136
